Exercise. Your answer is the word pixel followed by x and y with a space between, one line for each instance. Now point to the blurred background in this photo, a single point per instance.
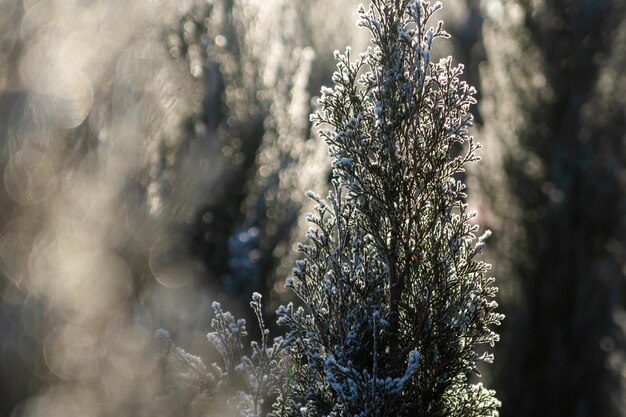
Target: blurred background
pixel 154 156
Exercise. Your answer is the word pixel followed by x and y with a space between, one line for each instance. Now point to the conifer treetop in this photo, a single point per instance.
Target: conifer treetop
pixel 396 302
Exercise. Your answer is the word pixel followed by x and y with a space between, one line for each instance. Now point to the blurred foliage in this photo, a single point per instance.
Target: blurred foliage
pixel 553 190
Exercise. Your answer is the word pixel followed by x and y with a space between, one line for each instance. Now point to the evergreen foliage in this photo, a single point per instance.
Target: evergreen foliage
pixel 250 59
pixel 237 386
pixel 396 303
pixel 554 123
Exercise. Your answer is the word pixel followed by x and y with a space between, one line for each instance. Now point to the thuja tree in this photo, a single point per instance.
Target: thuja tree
pixel 554 122
pixel 396 304
pixel 395 301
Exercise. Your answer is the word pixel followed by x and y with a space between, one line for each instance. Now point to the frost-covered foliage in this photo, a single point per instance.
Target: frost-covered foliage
pixel 395 301
pixel 554 123
pixel 237 386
